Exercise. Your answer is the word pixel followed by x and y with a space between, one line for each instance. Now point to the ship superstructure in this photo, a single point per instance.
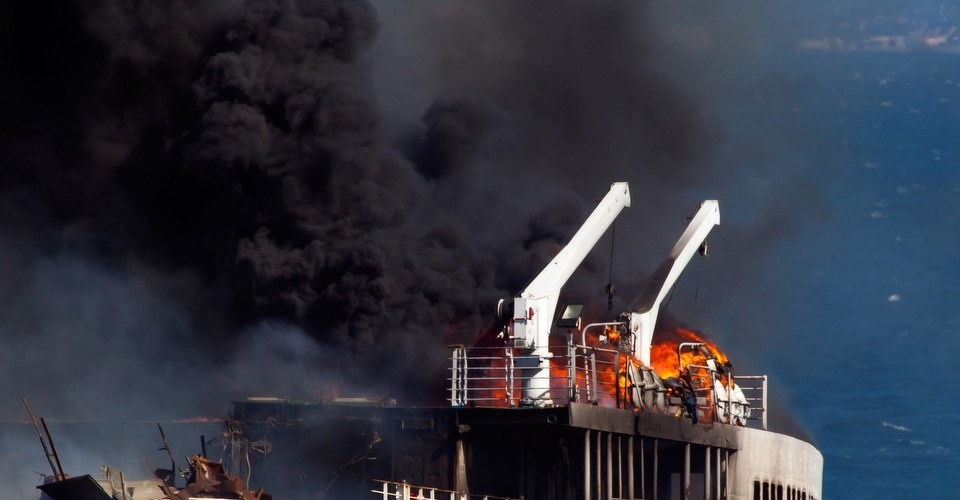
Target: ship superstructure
pixel 560 409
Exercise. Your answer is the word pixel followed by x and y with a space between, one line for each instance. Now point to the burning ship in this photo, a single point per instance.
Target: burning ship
pixel 554 408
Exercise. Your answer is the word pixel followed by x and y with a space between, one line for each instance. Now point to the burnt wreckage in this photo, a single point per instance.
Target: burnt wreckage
pixel 594 414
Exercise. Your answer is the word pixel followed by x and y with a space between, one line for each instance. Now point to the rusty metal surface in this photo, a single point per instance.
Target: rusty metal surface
pixel 209 478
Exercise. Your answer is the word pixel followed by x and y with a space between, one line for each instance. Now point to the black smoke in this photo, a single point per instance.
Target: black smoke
pixel 220 173
pixel 202 201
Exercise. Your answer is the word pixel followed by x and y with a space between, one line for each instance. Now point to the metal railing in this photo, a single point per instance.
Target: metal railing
pixel 405 491
pixel 754 388
pixel 482 376
pixel 702 381
pixel 495 376
pixel 592 374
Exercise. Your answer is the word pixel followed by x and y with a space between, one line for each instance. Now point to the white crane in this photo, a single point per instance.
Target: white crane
pixel 644 319
pixel 534 307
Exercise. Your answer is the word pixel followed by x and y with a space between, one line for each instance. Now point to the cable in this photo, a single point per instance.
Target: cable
pixel 610 289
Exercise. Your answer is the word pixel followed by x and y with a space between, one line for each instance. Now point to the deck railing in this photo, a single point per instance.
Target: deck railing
pixel 754 388
pixel 495 376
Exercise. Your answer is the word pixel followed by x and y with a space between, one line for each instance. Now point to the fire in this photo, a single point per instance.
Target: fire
pixel 663 352
pixel 490 387
pixel 613 334
pixel 666 361
pixel 491 378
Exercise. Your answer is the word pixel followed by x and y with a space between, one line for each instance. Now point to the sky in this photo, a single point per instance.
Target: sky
pixel 195 191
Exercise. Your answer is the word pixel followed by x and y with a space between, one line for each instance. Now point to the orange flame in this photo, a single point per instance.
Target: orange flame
pixel 663 352
pixel 611 369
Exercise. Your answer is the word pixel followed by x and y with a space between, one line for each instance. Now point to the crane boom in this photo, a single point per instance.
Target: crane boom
pixel 643 320
pixel 534 307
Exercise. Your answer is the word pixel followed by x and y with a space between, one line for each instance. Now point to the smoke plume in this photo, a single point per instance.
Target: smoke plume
pixel 205 200
pixel 203 191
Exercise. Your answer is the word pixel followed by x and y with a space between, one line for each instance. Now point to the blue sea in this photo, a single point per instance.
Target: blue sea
pixel 872 278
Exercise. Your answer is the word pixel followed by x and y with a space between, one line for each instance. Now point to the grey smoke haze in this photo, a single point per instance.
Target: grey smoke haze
pixel 204 200
pixel 201 201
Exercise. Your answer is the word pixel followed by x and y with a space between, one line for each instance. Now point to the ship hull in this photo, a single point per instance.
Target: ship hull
pixel 572 452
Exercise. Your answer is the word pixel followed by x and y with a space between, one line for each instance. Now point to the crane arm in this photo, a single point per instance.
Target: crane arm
pixel 643 320
pixel 534 307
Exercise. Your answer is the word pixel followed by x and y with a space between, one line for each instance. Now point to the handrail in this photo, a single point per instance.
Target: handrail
pixel 484 376
pixel 749 390
pixel 492 377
